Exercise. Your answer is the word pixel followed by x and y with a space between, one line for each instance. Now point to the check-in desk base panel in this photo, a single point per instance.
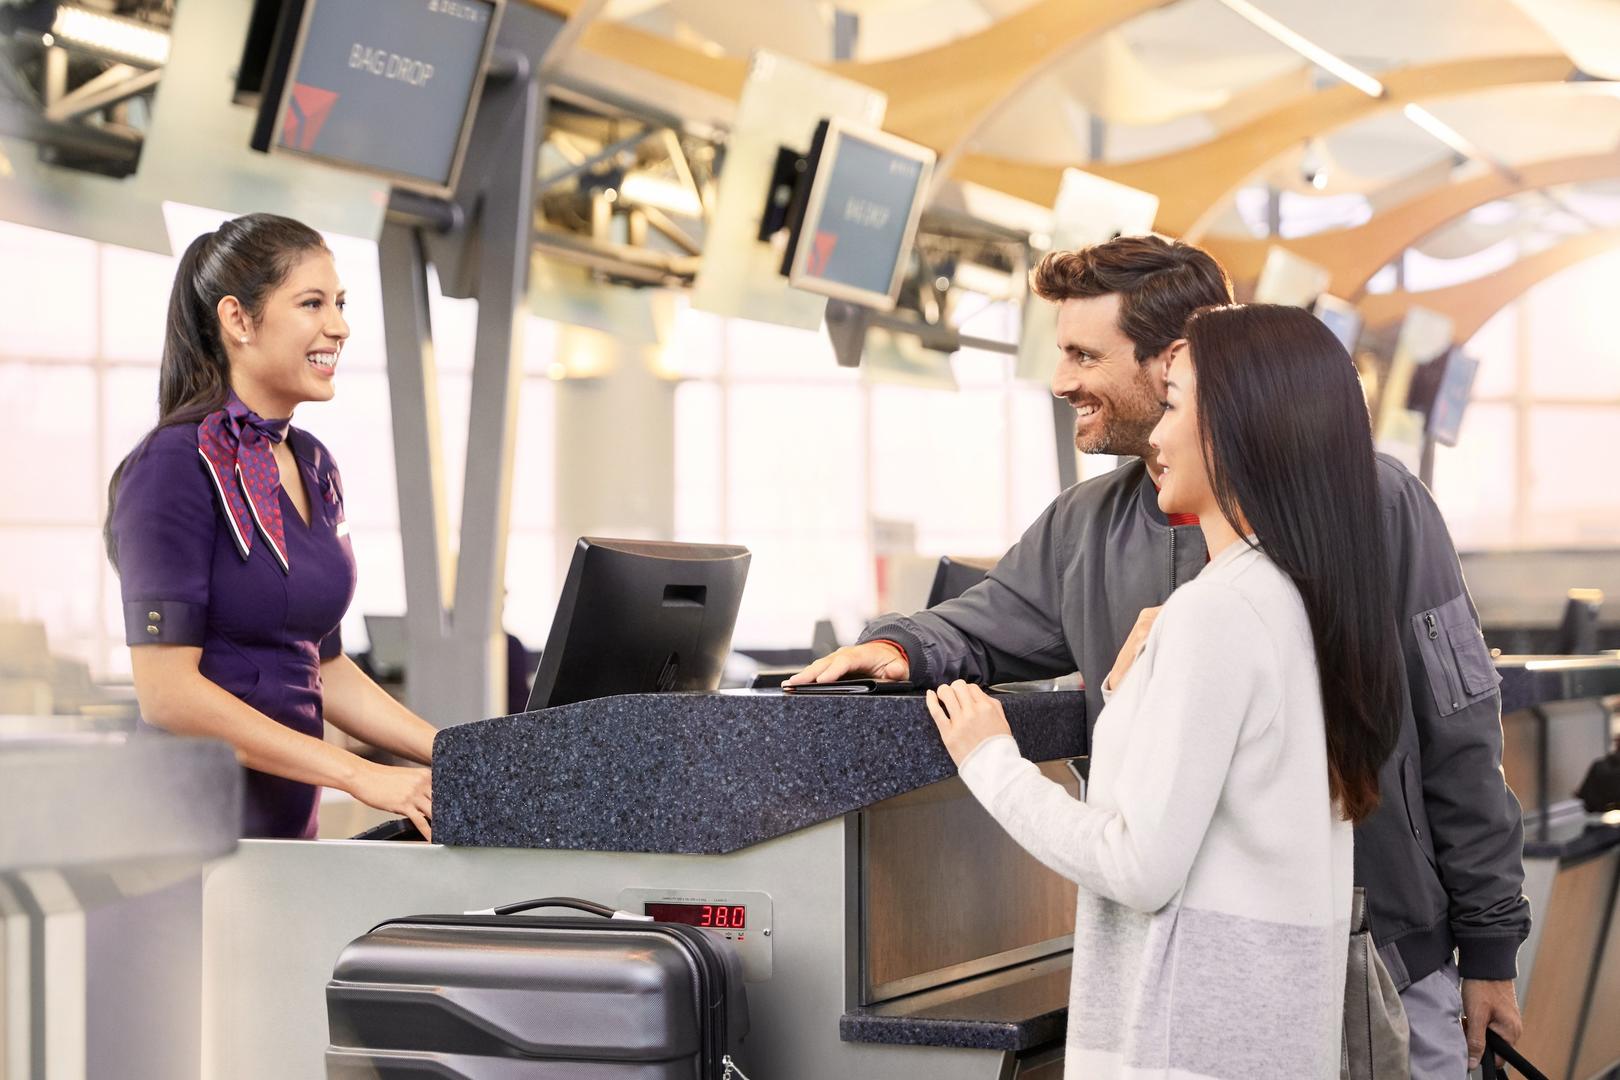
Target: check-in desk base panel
pixel 277 915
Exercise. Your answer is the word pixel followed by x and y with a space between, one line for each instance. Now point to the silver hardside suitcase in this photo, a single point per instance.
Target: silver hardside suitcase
pixel 511 996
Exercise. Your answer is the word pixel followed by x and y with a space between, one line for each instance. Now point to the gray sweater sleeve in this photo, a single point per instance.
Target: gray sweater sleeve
pixel 1007 627
pixel 1474 818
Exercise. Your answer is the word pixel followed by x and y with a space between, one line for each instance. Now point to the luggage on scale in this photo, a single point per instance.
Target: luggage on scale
pixel 501 995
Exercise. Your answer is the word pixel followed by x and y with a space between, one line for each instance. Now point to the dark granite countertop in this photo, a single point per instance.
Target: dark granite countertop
pixel 702 773
pixel 1535 680
pixel 1011 1010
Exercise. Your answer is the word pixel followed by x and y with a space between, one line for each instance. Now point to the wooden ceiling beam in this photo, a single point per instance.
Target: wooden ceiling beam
pixel 939 97
pixel 1194 184
pixel 1354 255
pixel 1472 303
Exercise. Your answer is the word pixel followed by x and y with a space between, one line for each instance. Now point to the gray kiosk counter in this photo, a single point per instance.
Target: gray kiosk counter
pixel 891 929
pixel 1554 725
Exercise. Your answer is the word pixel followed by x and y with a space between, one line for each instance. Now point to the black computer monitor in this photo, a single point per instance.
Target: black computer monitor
pixel 640 617
pixel 384 87
pixel 956 575
pixel 851 227
pixel 1341 317
pixel 1440 390
pixel 389 649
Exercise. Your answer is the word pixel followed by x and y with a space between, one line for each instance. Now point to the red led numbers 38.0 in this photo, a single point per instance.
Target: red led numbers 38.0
pixel 718 916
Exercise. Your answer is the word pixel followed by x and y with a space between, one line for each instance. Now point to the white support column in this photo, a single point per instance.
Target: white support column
pixel 615 450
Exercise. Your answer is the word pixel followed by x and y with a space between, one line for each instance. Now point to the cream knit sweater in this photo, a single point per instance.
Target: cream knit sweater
pixel 1214 870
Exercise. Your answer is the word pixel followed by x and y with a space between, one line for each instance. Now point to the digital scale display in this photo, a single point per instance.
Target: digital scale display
pixel 716 916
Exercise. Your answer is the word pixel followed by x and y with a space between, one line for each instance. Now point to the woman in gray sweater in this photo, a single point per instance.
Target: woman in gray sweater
pixel 1245 725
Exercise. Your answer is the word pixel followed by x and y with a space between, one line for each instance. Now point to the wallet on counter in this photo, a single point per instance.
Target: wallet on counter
pixel 854 686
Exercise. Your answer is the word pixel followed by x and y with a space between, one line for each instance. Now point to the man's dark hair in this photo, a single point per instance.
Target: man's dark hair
pixel 1160 283
pixel 1289 449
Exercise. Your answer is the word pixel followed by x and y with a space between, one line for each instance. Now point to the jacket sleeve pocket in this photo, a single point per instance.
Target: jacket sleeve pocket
pixel 1455 659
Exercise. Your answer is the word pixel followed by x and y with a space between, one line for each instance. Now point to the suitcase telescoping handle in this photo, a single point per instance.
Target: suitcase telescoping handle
pixel 590 907
pixel 1498 1047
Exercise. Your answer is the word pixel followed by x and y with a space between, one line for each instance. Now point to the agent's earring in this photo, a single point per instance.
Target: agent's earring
pixel 244 339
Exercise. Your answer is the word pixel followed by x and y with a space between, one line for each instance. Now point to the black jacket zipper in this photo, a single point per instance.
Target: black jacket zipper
pixel 1172 558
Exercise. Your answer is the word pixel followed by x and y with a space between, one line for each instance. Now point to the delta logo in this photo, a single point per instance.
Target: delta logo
pixel 821 250
pixel 307 110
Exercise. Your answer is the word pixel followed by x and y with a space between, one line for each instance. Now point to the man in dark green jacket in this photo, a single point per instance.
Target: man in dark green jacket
pixel 1442 858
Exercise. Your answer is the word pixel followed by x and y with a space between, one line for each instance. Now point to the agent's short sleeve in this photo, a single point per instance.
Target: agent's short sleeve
pixel 163 524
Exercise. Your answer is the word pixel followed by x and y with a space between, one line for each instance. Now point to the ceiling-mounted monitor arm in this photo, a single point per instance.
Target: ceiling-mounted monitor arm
pixel 480 241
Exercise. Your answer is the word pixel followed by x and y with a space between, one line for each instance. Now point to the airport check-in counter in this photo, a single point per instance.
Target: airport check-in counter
pixel 104 837
pixel 891 930
pixel 1554 725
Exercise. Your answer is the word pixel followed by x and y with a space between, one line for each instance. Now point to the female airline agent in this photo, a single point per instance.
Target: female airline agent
pixel 226 525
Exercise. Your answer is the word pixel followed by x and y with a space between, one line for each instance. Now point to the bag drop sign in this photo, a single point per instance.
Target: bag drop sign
pixel 390 65
pixel 386 85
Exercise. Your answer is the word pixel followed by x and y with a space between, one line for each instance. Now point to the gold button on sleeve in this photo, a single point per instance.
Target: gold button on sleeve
pixel 154 616
pixel 152 629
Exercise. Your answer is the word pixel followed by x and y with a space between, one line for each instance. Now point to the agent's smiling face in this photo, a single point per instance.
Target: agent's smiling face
pixel 1116 398
pixel 1184 486
pixel 293 346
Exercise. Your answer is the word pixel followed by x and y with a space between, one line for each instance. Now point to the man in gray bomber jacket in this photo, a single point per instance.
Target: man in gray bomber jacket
pixel 1442 858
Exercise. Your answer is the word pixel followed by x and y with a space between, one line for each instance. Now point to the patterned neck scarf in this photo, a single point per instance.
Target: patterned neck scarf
pixel 235 443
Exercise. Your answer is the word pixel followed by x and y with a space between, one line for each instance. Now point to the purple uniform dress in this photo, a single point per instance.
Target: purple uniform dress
pixel 264 631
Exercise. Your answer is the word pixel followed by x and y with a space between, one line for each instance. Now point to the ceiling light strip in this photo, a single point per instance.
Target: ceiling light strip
pixel 111 35
pixel 1443 131
pixel 1340 69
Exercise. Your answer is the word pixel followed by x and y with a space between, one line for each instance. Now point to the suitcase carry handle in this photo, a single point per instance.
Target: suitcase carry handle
pixel 556 901
pixel 590 907
pixel 1498 1047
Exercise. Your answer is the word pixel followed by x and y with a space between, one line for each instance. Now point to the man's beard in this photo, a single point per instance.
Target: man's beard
pixel 1118 436
pixel 1126 426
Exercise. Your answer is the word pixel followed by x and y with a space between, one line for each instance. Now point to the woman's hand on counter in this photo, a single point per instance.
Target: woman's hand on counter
pixel 966 716
pixel 402 790
pixel 1132 648
pixel 869 660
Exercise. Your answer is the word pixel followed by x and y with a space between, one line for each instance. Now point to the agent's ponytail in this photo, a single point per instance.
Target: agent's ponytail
pixel 194 379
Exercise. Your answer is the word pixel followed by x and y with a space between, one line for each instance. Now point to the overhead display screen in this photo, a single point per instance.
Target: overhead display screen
pixel 387 86
pixel 861 215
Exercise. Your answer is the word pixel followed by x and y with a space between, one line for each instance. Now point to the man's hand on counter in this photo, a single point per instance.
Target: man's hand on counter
pixel 870 660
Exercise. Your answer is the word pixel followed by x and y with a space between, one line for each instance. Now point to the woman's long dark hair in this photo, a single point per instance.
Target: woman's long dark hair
pixel 247 257
pixel 1288 447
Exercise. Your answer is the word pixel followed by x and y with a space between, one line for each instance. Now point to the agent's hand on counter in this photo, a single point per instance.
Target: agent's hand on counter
pixel 870 660
pixel 402 790
pixel 966 716
pixel 1132 648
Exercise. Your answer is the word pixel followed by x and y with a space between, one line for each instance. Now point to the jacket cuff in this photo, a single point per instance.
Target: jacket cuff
pixel 910 644
pixel 164 622
pixel 1492 959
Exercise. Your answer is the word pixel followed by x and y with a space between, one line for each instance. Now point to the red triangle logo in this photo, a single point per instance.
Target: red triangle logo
pixel 821 250
pixel 307 111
